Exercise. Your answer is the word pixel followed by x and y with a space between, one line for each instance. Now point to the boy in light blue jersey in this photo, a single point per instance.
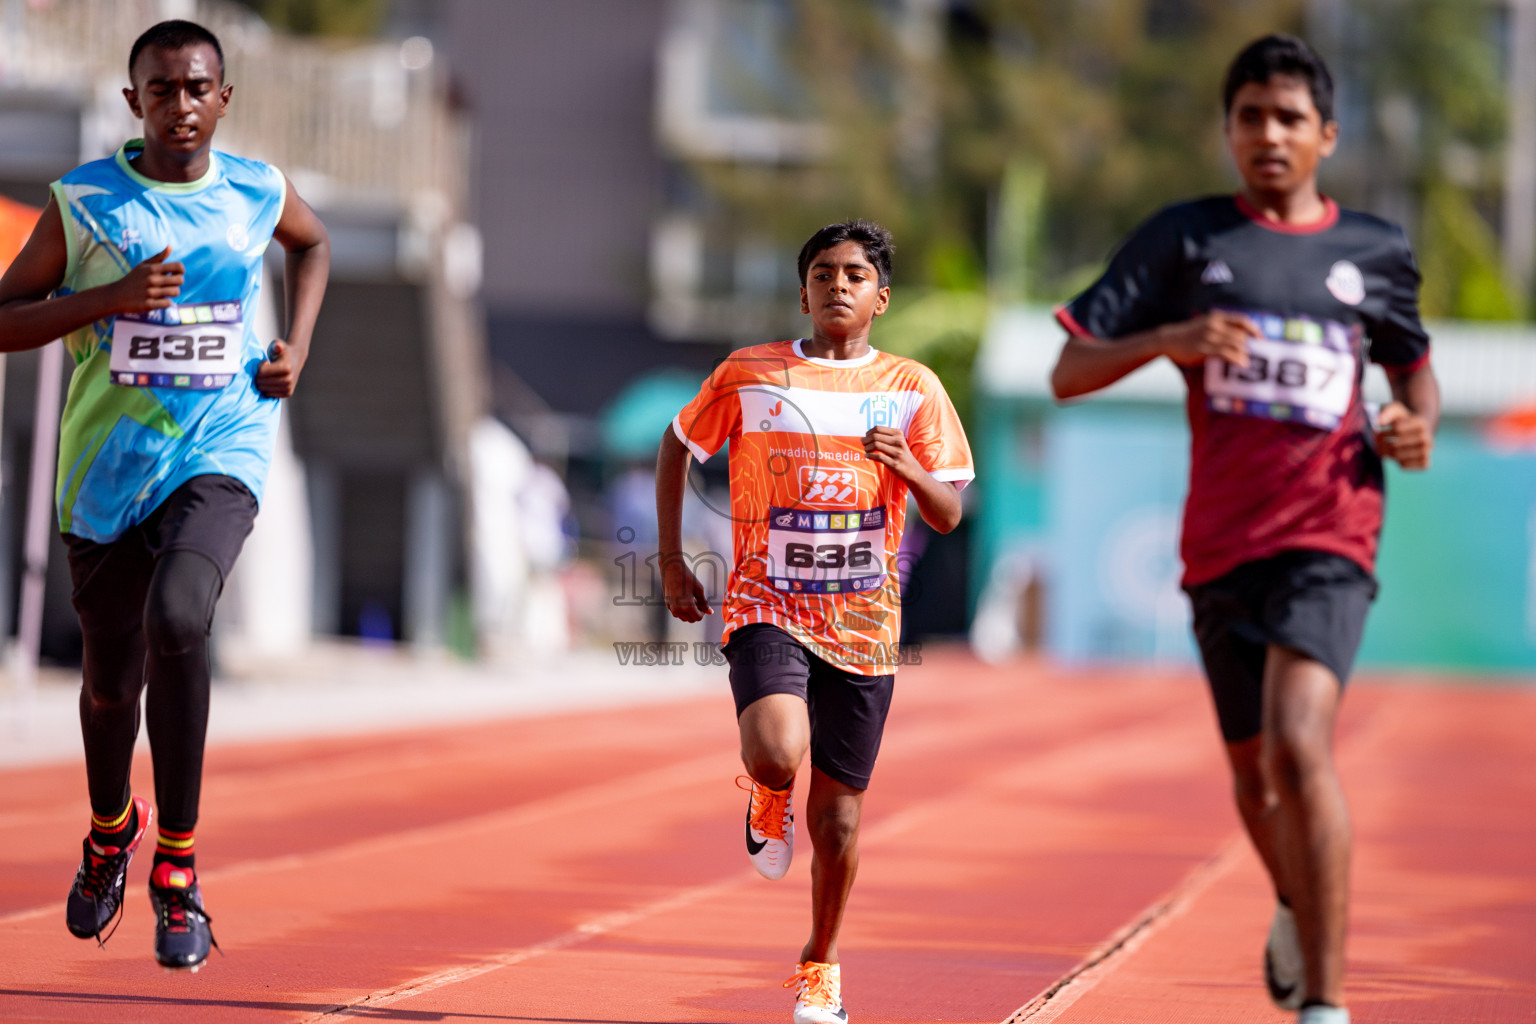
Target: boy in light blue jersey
pixel 165 440
pixel 127 447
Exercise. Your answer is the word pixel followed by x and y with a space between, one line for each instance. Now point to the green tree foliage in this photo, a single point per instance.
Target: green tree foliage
pixel 1115 103
pixel 1118 102
pixel 1066 124
pixel 942 330
pixel 348 19
pixel 1429 72
pixel 1459 258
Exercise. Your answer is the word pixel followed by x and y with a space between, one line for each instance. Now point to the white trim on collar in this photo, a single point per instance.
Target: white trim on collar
pixel 836 364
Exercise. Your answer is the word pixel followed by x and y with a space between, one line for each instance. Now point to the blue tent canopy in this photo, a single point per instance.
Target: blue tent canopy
pixel 633 422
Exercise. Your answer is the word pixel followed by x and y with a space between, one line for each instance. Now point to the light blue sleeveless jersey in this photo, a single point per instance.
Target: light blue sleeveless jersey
pixel 124 449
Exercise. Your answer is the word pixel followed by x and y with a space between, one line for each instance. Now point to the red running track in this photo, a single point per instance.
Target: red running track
pixel 1039 845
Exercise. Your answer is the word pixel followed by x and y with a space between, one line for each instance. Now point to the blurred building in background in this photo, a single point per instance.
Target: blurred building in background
pixel 365 528
pixel 551 218
pixel 567 182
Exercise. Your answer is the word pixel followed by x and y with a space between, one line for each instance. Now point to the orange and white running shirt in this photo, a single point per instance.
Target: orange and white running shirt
pixel 816 525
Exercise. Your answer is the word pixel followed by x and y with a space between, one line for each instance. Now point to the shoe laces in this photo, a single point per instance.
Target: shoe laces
pixel 816 985
pixel 98 870
pixel 176 904
pixel 770 807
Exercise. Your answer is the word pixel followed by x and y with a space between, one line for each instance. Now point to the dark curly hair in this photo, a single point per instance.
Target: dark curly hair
pixel 174 35
pixel 871 237
pixel 1278 54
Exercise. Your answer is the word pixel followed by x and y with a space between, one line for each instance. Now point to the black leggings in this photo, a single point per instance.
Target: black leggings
pixel 145 602
pixel 162 642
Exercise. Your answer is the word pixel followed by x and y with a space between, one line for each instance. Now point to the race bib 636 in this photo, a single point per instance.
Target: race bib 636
pixel 812 551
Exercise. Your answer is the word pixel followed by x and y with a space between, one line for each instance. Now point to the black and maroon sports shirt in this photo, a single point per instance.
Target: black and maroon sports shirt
pixel 1280 455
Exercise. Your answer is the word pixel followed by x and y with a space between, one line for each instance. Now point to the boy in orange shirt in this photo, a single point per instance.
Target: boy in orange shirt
pixel 828 438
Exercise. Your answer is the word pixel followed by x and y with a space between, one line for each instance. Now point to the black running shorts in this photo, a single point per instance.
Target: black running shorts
pixel 211 515
pixel 847 710
pixel 1312 602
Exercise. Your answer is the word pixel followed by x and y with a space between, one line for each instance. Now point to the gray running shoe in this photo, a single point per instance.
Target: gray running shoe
pixel 1285 973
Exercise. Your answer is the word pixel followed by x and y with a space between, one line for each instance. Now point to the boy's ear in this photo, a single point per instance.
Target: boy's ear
pixel 805 300
pixel 1330 138
pixel 132 96
pixel 882 300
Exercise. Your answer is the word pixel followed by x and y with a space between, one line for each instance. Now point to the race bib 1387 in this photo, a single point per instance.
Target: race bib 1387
pixel 1301 371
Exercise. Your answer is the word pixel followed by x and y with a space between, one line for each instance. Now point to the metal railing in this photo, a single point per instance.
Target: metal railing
pixel 369 120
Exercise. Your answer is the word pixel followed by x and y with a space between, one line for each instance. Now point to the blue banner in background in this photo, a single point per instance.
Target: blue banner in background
pixel 1115 485
pixel 1457 563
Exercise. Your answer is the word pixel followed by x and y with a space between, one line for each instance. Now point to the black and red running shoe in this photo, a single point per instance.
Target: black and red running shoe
pixel 97 895
pixel 182 932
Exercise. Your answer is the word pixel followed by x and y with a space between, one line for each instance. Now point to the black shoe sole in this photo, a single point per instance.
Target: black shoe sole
pixel 182 968
pixel 1277 994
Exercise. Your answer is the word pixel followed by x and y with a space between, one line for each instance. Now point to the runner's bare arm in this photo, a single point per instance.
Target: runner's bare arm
pixel 1088 364
pixel 1409 422
pixel 30 319
pixel 937 500
pixel 305 272
pixel 683 592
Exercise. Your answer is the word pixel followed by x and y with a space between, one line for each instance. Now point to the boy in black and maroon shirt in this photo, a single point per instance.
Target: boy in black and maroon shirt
pixel 1269 302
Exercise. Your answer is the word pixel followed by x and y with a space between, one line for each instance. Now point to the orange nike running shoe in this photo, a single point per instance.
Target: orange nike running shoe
pixel 770 827
pixel 818 993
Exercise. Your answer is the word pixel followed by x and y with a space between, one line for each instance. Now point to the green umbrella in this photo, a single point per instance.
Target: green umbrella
pixel 634 421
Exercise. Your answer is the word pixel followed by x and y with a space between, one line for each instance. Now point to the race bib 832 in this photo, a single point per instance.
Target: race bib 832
pixel 198 347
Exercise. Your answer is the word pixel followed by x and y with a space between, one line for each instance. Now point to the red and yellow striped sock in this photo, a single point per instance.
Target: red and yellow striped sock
pixel 176 848
pixel 114 831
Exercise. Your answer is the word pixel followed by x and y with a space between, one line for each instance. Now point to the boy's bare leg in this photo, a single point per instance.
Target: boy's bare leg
pixel 832 816
pixel 775 734
pixel 1257 805
pixel 1312 830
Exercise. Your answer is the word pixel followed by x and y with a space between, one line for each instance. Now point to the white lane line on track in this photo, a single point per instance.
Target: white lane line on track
pixel 232 785
pixel 587 798
pixel 906 820
pixel 1107 958
pixel 1091 757
pixel 662 778
pixel 368 762
pixel 366 1005
pixel 229 785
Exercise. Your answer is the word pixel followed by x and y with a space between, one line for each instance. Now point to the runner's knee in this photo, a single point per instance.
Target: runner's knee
pixel 834 829
pixel 178 613
pixel 1295 758
pixel 112 676
pixel 103 693
pixel 1252 788
pixel 772 763
pixel 774 737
